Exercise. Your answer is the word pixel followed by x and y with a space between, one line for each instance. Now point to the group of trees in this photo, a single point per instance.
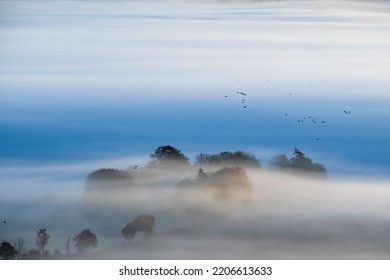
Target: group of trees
pixel 238 158
pixel 83 241
pixel 170 157
pixel 108 189
pixel 299 163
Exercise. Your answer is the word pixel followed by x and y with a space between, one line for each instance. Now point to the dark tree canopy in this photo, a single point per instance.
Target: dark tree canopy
pixel 7 251
pixel 299 163
pixel 129 231
pixel 109 174
pixel 85 240
pixel 42 239
pixel 145 223
pixel 166 156
pixel 237 158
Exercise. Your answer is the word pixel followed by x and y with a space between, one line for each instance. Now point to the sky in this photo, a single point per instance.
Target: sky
pixel 91 84
pixel 93 80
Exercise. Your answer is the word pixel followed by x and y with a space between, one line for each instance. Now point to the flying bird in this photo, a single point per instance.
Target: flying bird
pixel 347 112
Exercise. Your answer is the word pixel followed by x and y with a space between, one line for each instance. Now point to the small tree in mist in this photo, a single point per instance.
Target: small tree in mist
pixel 7 251
pixel 129 231
pixel 85 240
pixel 67 245
pixel 167 156
pixel 298 163
pixel 145 223
pixel 42 239
pixel 20 247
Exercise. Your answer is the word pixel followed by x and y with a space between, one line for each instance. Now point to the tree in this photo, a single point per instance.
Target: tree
pixel 109 174
pixel 145 223
pixel 42 239
pixel 19 245
pixel 85 240
pixel 280 161
pixel 67 245
pixel 7 251
pixel 237 158
pixel 299 163
pixel 168 156
pixel 129 231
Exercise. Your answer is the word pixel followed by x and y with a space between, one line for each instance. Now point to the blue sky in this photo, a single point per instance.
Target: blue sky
pixel 86 81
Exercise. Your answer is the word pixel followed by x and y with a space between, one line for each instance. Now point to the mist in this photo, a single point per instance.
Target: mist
pixel 283 216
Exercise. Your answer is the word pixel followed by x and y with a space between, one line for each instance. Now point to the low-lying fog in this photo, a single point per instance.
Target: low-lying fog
pixel 272 215
pixel 88 80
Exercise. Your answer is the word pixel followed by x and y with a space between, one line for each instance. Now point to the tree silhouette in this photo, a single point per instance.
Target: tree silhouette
pixel 129 231
pixel 280 161
pixel 237 158
pixel 67 245
pixel 42 239
pixel 145 223
pixel 168 156
pixel 299 163
pixel 7 251
pixel 109 174
pixel 85 240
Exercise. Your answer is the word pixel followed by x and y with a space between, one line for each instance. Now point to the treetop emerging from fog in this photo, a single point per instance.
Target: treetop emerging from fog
pixel 237 158
pixel 298 163
pixel 165 156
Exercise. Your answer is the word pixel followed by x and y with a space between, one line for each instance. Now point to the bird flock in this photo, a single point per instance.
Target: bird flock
pixel 307 119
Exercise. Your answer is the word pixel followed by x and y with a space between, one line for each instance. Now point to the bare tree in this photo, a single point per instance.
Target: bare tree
pixel 42 239
pixel 19 244
pixel 67 245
